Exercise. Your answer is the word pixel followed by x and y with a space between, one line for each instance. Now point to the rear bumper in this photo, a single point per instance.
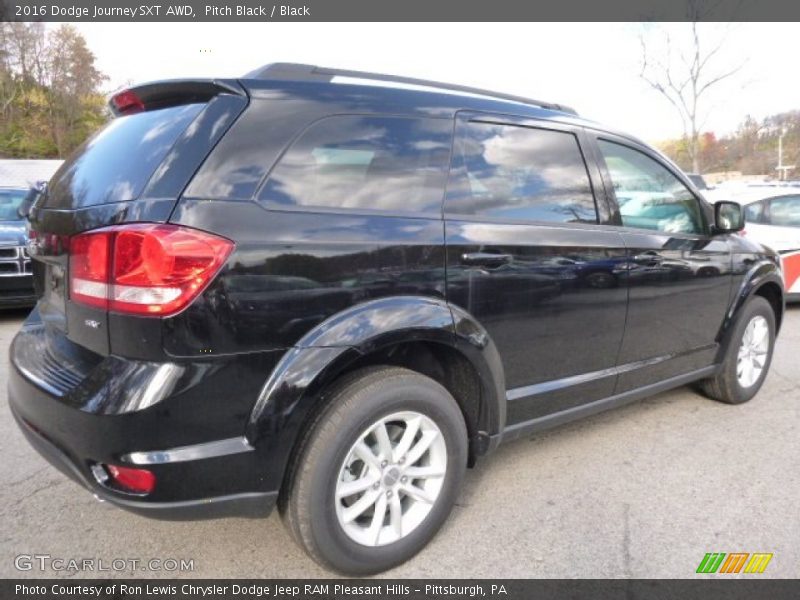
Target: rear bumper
pixel 254 505
pixel 73 416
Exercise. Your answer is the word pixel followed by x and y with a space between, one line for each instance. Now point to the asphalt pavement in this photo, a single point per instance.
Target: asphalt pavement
pixel 642 491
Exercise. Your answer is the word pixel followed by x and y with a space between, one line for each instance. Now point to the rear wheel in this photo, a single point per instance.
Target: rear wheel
pixel 378 472
pixel 748 357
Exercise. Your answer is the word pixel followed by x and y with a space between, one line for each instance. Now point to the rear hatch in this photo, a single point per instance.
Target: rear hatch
pixel 133 170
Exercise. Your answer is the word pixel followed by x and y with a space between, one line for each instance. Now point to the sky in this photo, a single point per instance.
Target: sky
pixel 593 67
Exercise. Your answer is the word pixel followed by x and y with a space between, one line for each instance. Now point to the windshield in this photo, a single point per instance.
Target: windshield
pixel 10 201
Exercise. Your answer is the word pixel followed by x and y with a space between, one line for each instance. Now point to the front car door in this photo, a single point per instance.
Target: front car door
pixel 528 256
pixel 678 275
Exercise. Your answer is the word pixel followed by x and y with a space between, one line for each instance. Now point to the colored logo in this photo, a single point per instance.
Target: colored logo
pixel 735 562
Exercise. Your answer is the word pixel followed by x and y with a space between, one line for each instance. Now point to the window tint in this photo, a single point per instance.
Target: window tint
pixel 512 172
pixel 353 162
pixel 753 213
pixel 785 211
pixel 649 195
pixel 116 163
pixel 10 201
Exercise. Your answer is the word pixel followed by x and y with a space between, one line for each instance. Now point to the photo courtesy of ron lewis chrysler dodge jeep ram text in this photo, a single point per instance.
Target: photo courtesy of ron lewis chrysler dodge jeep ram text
pixel 332 292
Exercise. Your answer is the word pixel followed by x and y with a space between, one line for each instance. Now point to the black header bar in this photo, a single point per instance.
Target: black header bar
pixel 701 588
pixel 399 10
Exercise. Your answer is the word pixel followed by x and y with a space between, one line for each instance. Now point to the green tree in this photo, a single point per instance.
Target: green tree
pixel 50 97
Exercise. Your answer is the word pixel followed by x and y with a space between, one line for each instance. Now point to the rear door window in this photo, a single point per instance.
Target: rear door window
pixel 510 172
pixel 785 211
pixel 357 163
pixel 116 163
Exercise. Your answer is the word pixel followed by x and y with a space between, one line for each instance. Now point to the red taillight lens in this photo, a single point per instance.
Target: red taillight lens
pixel 89 268
pixel 139 481
pixel 144 268
pixel 127 103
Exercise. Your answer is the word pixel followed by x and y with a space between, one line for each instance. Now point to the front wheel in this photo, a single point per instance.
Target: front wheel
pixel 378 471
pixel 748 356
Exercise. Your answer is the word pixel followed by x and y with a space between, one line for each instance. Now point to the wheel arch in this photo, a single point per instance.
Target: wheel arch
pixel 772 292
pixel 423 334
pixel 763 280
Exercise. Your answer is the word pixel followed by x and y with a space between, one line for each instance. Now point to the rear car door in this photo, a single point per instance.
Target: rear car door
pixel 529 258
pixel 678 275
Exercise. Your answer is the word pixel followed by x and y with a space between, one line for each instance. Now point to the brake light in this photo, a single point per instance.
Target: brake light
pixel 139 481
pixel 127 103
pixel 144 268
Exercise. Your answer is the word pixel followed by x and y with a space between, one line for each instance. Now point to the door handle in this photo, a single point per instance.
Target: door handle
pixel 487 259
pixel 648 259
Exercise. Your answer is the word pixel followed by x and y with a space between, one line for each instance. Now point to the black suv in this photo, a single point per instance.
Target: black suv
pixel 333 291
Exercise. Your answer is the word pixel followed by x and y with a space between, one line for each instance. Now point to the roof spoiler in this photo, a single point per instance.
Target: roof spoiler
pixel 171 92
pixel 301 72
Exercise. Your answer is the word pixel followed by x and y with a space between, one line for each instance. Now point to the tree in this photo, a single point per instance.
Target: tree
pixel 752 149
pixel 49 90
pixel 686 75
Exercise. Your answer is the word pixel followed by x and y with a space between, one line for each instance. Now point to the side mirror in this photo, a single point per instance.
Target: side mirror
pixel 728 217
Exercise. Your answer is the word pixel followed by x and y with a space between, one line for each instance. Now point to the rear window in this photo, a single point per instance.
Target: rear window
pixel 364 162
pixel 116 163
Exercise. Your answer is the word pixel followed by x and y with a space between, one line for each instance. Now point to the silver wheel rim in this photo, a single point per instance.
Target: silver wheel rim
pixel 391 478
pixel 753 352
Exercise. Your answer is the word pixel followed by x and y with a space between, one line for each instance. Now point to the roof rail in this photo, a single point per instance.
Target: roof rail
pixel 300 72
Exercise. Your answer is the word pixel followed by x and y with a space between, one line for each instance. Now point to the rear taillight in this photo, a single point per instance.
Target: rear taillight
pixel 127 102
pixel 89 268
pixel 144 268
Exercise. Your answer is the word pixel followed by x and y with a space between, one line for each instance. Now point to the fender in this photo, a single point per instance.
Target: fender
pixel 762 270
pixel 292 390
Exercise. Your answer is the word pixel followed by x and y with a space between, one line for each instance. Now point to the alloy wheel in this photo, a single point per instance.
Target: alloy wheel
pixel 391 478
pixel 753 352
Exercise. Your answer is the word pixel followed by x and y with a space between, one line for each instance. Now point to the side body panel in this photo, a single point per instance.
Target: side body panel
pixel 679 290
pixel 292 270
pixel 557 327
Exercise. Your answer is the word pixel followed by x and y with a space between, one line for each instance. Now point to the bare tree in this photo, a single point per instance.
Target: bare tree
pixel 684 76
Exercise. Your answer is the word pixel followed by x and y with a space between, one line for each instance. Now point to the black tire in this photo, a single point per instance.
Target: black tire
pixel 725 386
pixel 352 406
pixel 601 280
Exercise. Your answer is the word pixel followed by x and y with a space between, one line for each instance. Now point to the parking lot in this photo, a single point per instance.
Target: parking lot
pixel 644 491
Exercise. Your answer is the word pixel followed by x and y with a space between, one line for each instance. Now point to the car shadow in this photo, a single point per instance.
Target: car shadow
pixel 14 314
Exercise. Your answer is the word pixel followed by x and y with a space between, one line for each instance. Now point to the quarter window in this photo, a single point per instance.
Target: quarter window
pixel 649 196
pixel 511 172
pixel 785 211
pixel 365 162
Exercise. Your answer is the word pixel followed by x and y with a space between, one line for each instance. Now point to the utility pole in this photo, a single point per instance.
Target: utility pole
pixel 781 168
